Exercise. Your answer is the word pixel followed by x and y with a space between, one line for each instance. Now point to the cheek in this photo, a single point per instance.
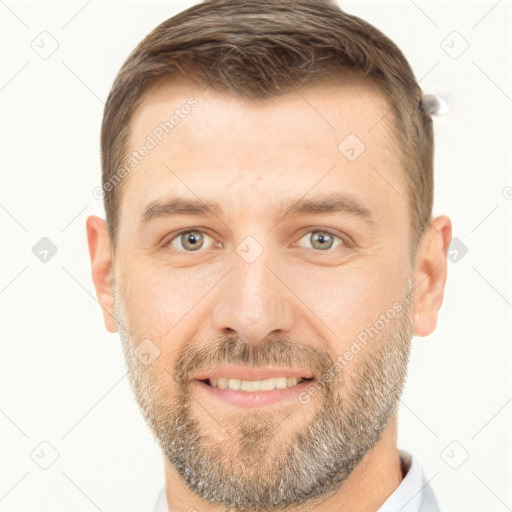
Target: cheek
pixel 161 302
pixel 348 299
pixel 153 311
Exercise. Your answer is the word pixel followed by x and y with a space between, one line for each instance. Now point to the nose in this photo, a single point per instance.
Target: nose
pixel 253 302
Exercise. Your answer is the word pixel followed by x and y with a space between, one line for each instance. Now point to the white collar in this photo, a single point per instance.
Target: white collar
pixel 161 504
pixel 412 495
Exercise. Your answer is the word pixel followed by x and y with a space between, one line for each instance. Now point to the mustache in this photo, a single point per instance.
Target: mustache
pixel 228 351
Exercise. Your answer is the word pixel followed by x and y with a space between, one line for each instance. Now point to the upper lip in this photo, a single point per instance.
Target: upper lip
pixel 248 373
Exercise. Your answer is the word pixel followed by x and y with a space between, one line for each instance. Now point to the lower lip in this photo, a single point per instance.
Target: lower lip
pixel 252 399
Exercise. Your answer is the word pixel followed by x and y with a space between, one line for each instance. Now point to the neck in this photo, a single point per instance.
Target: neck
pixel 371 483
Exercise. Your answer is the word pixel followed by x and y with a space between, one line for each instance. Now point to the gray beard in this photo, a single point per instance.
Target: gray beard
pixel 261 464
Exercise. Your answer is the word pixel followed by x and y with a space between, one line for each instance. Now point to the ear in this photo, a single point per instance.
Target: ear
pixel 430 271
pixel 100 254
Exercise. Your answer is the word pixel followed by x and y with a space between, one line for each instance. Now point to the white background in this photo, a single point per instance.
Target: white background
pixel 62 376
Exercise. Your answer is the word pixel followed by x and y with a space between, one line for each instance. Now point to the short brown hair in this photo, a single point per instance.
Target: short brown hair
pixel 264 48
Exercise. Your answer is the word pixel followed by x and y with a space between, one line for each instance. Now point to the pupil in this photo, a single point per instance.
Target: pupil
pixel 321 238
pixel 192 240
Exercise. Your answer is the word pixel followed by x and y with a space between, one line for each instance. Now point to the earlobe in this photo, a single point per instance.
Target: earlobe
pixel 99 243
pixel 430 272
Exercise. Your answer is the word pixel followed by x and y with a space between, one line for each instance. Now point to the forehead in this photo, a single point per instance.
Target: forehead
pixel 333 135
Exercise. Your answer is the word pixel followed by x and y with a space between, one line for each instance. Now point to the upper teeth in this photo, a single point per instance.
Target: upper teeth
pixel 255 385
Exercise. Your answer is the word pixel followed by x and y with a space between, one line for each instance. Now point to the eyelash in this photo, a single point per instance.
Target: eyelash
pixel 344 241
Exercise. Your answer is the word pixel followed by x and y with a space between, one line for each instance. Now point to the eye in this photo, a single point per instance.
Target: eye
pixel 190 240
pixel 323 240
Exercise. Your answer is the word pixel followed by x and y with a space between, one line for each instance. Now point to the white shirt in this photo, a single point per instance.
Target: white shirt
pixel 414 493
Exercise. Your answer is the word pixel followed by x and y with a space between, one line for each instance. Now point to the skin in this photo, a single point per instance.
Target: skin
pixel 249 157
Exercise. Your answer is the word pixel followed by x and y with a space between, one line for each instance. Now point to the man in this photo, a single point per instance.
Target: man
pixel 268 253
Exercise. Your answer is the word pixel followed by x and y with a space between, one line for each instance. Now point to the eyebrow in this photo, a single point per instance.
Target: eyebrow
pixel 331 203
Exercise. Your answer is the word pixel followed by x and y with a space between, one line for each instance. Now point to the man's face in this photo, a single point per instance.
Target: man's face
pixel 250 286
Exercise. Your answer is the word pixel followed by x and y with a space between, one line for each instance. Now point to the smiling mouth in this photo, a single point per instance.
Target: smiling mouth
pixel 251 386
